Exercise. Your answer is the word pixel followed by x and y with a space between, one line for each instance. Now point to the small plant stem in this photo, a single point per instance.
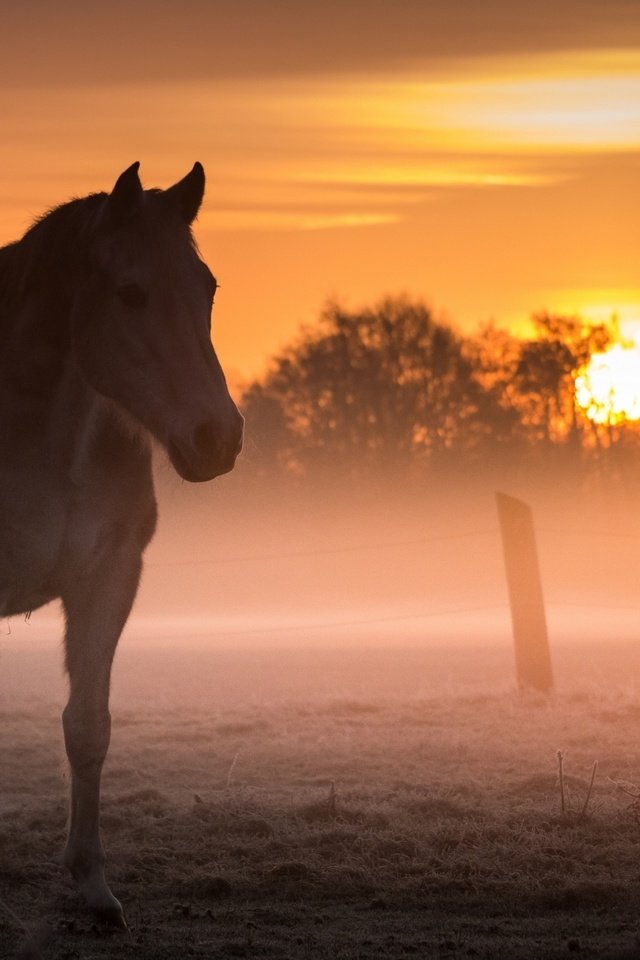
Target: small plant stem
pixel 561 777
pixel 231 768
pixel 588 797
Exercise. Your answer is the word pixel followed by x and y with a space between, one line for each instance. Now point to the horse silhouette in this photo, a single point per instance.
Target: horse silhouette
pixel 105 311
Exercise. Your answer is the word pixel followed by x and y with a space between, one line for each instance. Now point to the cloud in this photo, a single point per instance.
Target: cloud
pixel 239 39
pixel 326 151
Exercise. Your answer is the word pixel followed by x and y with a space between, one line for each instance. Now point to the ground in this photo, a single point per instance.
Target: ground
pixel 337 803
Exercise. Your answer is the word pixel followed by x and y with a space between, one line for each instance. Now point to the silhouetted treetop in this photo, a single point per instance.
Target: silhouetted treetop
pixel 378 389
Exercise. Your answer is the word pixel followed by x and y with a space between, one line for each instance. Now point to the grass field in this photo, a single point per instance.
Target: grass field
pixel 332 803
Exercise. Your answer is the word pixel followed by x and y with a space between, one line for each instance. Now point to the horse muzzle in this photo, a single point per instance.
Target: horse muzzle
pixel 207 453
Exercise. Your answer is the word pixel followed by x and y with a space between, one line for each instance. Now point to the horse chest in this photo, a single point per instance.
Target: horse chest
pixel 52 533
pixel 92 532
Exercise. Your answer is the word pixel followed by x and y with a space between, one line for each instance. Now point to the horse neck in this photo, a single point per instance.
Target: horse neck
pixel 9 256
pixel 35 330
pixel 39 278
pixel 45 267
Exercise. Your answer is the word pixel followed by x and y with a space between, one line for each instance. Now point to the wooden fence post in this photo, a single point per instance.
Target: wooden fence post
pixel 530 639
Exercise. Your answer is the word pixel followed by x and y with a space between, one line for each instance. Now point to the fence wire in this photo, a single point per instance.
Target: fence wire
pixel 449 613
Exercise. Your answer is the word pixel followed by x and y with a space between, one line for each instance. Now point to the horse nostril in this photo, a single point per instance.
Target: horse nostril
pixel 208 444
pixel 207 452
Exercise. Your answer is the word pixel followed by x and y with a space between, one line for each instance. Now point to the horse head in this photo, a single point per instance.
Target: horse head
pixel 142 324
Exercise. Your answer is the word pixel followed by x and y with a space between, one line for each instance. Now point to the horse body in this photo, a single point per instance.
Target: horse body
pixel 104 319
pixel 65 491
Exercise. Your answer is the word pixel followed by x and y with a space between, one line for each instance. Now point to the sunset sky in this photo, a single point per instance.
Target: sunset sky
pixel 482 155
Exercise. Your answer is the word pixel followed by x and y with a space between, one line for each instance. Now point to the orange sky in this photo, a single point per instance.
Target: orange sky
pixel 477 155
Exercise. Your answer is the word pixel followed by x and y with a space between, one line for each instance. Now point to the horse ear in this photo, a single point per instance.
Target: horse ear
pixel 187 193
pixel 126 193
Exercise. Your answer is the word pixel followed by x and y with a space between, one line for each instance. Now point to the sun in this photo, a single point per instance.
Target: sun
pixel 607 389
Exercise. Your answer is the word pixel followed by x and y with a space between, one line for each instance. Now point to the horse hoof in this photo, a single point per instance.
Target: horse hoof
pixel 97 896
pixel 112 915
pixel 105 907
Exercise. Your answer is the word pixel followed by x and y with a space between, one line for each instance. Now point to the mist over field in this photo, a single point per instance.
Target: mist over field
pixel 271 568
pixel 319 746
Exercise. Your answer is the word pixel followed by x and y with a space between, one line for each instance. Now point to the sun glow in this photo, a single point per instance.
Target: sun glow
pixel 608 388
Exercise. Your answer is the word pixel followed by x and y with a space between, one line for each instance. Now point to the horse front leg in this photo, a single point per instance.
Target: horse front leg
pixel 96 611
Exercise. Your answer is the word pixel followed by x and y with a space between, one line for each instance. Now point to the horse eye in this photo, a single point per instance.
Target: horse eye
pixel 132 295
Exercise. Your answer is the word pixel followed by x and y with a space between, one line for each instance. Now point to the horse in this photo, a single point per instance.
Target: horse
pixel 105 307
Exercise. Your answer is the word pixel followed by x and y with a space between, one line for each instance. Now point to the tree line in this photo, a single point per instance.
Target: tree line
pixel 390 390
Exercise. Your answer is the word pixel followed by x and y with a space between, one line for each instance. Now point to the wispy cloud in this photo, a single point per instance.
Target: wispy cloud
pixel 497 122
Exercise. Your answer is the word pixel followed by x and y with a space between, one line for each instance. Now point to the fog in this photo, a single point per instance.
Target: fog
pixel 321 678
pixel 390 565
pixel 373 578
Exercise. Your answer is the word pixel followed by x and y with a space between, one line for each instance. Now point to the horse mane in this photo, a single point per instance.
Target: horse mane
pixel 48 258
pixel 48 251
